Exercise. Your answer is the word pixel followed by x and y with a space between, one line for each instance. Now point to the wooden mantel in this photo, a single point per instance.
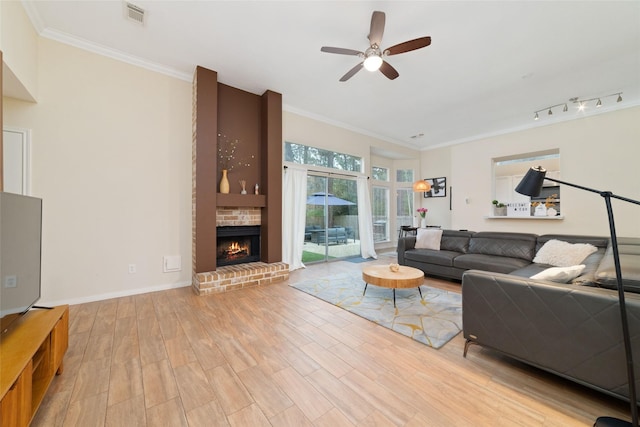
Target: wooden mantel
pixel 241 200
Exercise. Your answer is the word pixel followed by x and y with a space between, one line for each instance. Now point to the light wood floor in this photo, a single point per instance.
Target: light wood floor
pixel 275 356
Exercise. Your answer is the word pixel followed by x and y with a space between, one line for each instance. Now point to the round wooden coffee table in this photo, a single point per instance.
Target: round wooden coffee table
pixel 381 275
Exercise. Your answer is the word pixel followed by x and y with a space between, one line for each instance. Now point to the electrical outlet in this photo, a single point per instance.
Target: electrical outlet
pixel 132 269
pixel 10 281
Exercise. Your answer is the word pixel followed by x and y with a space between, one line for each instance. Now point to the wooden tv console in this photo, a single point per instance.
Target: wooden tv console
pixel 31 353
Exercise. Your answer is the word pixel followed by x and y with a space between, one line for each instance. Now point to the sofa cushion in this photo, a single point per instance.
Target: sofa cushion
pixel 563 254
pixel 431 257
pixel 560 274
pixel 629 250
pixel 428 238
pixel 455 240
pixel 597 241
pixel 529 270
pixel 493 263
pixel 511 245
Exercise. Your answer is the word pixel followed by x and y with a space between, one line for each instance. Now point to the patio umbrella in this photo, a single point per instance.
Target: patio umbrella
pixel 331 200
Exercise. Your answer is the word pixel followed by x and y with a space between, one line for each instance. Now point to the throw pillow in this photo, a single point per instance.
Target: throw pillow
pixel 563 254
pixel 428 238
pixel 560 274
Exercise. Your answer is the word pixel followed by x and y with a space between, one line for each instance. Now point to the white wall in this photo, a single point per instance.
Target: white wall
pixel 601 152
pixel 111 159
pixel 18 42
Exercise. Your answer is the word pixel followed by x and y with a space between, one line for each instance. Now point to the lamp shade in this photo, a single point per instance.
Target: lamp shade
pixel 421 186
pixel 531 184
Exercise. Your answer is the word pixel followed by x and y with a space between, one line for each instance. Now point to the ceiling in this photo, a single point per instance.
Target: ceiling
pixel 490 66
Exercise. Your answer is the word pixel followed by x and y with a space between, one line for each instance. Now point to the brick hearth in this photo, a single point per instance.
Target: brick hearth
pixel 232 277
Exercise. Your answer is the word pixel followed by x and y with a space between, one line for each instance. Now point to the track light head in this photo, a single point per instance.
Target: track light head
pixel 582 104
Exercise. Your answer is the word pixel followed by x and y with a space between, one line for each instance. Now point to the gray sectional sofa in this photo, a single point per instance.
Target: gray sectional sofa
pixel 570 329
pixel 498 252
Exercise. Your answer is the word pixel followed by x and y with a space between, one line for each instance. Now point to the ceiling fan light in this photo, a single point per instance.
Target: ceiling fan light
pixel 372 62
pixel 536 117
pixel 598 104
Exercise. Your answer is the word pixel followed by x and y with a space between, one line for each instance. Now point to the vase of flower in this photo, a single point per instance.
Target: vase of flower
pixel 423 216
pixel 224 182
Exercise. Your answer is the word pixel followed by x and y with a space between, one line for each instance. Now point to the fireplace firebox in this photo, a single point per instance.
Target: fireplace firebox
pixel 237 244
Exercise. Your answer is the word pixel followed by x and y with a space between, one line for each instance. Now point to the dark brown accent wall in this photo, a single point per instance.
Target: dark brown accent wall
pixel 205 146
pixel 239 120
pixel 271 171
pixel 256 123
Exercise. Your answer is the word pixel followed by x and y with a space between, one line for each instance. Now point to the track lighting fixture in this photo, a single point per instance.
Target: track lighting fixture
pixel 582 104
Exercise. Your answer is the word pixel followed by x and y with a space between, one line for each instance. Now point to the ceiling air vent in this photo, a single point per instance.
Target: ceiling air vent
pixel 134 13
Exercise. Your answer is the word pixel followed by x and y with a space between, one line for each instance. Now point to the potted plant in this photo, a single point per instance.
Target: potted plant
pixel 499 209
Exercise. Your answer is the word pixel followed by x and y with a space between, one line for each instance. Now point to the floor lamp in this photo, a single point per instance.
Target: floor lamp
pixel 531 185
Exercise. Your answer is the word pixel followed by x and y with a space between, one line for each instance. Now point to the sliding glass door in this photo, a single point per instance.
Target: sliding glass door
pixel 331 229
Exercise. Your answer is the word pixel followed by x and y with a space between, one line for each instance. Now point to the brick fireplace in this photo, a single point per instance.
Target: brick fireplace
pixel 237 276
pixel 237 244
pixel 256 121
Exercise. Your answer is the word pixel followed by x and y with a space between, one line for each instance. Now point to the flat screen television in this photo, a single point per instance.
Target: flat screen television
pixel 20 255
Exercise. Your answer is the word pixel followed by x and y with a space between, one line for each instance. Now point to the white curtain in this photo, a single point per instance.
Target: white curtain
pixel 294 211
pixel 365 223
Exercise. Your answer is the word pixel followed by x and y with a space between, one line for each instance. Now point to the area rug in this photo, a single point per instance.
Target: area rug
pixel 433 321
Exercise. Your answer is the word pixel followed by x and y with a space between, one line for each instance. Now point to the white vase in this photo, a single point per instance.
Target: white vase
pixel 423 222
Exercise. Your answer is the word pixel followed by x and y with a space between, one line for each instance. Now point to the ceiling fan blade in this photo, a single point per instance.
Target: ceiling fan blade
pixel 340 51
pixel 388 70
pixel 377 27
pixel 351 72
pixel 408 46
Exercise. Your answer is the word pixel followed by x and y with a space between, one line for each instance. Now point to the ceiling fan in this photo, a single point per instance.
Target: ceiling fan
pixel 372 57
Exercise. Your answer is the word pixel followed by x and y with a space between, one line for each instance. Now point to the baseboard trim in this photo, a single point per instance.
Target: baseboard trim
pixel 111 295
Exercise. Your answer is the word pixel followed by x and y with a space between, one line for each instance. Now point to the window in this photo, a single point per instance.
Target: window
pixel 380 213
pixel 404 207
pixel 305 155
pixel 404 175
pixel 380 174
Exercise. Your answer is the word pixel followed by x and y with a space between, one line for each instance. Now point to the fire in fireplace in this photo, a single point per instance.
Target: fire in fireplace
pixel 237 244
